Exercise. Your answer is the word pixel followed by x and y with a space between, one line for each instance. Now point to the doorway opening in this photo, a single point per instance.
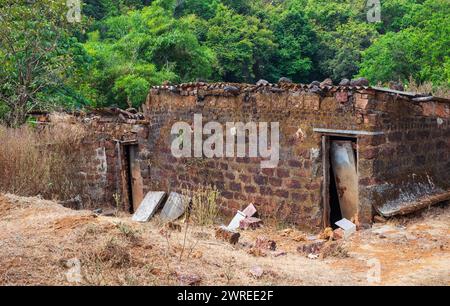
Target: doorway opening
pixel 132 179
pixel 340 192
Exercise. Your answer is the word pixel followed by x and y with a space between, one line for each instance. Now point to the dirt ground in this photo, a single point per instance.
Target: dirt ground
pixel 42 242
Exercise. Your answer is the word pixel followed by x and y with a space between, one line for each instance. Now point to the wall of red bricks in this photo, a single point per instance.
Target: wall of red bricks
pixel 412 148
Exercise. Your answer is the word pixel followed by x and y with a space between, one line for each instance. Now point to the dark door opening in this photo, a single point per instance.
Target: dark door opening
pixel 132 177
pixel 340 188
pixel 335 209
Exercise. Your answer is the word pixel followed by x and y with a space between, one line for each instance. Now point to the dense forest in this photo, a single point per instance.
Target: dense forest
pixel 122 47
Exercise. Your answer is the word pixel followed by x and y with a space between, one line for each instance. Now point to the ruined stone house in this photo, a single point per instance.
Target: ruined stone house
pixel 400 143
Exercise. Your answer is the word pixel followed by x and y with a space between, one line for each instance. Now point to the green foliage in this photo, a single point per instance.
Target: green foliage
pixel 37 54
pixel 129 45
pixel 421 50
pixel 241 43
pixel 204 9
pixel 140 49
pixel 297 43
pixel 347 44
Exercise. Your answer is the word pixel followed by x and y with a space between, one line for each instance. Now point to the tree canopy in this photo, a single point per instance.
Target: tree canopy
pixel 122 47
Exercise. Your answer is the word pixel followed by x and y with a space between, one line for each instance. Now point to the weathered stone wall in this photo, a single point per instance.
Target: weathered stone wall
pixel 105 170
pixel 411 142
pixel 403 147
pixel 411 159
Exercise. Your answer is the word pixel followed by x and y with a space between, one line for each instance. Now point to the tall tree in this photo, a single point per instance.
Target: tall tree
pixel 143 48
pixel 420 50
pixel 241 43
pixel 35 52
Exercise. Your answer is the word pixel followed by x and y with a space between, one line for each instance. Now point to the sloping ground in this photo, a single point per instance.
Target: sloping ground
pixel 42 242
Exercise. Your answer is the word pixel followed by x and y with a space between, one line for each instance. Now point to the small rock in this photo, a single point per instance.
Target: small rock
pixel 338 234
pixel 379 219
pixel 132 110
pixel 256 271
pixel 315 89
pixel 315 83
pixel 284 80
pixel 222 233
pixel 264 243
pixel 311 247
pixel 313 256
pixel 97 211
pixel 359 82
pixel 250 222
pixel 109 213
pixel 344 82
pixel 189 279
pixel 173 226
pixel 287 232
pixel 197 254
pixel 257 252
pixel 279 253
pixel 299 237
pixel 262 82
pixel 327 82
pixel 232 90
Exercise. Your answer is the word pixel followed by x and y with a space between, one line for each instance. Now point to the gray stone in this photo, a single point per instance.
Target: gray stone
pixel 256 271
pixel 262 82
pixel 284 80
pixel 315 89
pixel 359 82
pixel 148 206
pixel 109 212
pixel 175 206
pixel 232 90
pixel 327 82
pixel 344 82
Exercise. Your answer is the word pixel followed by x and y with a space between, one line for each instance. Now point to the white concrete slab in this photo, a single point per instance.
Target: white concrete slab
pixel 175 206
pixel 148 206
pixel 234 224
pixel 348 227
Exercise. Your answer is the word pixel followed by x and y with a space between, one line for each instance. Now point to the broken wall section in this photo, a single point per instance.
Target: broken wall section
pixel 409 162
pixel 105 171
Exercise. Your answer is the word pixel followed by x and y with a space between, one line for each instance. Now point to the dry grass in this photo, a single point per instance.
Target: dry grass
pixel 204 207
pixel 41 160
pixel 428 87
pixel 42 241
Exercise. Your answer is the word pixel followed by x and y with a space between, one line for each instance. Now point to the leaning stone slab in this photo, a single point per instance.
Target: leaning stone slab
pixel 250 210
pixel 234 224
pixel 175 206
pixel 148 206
